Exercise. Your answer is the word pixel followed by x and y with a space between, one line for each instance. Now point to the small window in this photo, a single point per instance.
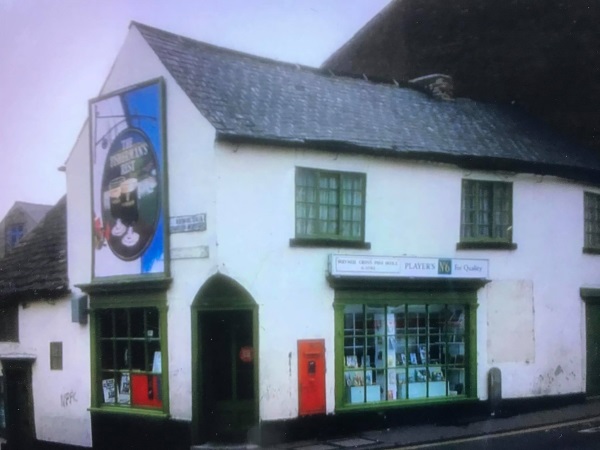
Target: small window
pixel 14 233
pixel 330 205
pixel 9 323
pixel 592 223
pixel 56 356
pixel 486 214
pixel 130 359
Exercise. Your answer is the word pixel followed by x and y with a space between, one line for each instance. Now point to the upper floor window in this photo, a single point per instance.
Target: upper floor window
pixel 486 214
pixel 592 223
pixel 330 206
pixel 14 233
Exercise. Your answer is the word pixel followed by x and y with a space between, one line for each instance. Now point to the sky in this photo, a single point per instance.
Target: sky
pixel 55 55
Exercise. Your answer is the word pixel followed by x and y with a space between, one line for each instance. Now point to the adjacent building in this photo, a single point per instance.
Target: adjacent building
pixel 43 353
pixel 272 242
pixel 20 219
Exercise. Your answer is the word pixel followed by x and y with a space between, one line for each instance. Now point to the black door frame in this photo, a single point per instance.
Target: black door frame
pixel 12 368
pixel 591 298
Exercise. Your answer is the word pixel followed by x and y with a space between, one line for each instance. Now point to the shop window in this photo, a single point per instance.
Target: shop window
pixel 592 223
pixel 330 206
pixel 9 323
pixel 486 214
pixel 404 352
pixel 129 348
pixel 14 233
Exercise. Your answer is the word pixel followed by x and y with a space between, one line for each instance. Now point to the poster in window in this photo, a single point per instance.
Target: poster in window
pixel 157 362
pixel 125 389
pixel 127 159
pixel 108 388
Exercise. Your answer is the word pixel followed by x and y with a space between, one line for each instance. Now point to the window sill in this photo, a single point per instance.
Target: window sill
pixel 159 414
pixel 382 405
pixel 591 250
pixel 483 245
pixel 321 242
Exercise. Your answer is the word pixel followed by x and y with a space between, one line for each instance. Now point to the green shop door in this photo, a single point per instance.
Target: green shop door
pixel 593 348
pixel 227 374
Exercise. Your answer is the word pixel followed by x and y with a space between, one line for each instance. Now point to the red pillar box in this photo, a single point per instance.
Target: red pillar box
pixel 146 390
pixel 311 377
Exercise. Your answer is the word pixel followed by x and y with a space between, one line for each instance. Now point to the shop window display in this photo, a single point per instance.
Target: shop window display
pixel 130 365
pixel 404 352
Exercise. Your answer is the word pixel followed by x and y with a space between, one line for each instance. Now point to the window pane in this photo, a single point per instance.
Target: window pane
pixel 106 355
pixel 121 327
pixel 592 220
pixel 486 210
pixel 152 327
pixel 105 319
pixel 137 322
pixel 123 355
pixel 336 213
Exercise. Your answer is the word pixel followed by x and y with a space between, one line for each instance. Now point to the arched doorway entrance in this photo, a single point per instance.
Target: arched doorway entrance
pixel 225 369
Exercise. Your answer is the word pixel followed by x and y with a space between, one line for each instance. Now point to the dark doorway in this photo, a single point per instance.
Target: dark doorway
pixel 20 427
pixel 227 374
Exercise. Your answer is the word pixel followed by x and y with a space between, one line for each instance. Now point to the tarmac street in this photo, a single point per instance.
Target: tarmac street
pixel 575 426
pixel 582 435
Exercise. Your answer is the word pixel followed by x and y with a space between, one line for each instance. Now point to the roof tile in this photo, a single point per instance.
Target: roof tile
pixel 37 266
pixel 253 98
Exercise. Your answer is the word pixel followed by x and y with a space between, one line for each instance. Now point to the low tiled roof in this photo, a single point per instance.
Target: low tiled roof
pixel 256 99
pixel 35 210
pixel 37 266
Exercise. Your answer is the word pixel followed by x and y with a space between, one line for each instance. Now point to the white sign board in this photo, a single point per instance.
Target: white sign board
pixel 185 224
pixel 406 267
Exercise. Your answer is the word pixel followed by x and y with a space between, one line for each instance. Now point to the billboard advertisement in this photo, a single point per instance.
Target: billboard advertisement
pixel 127 159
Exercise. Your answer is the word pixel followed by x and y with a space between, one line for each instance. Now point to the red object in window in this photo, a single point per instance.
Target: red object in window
pixel 311 377
pixel 146 390
pixel 246 354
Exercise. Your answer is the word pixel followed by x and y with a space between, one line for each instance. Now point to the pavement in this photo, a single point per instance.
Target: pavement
pixel 410 436
pixel 413 436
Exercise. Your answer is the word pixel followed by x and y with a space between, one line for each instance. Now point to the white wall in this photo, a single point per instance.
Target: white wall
pixel 412 209
pixel 60 397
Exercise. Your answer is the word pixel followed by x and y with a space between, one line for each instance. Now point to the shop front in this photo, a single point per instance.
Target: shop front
pixel 406 330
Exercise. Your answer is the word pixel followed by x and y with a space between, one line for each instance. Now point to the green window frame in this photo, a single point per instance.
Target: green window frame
pixel 591 223
pixel 486 214
pixel 393 350
pixel 129 356
pixel 330 205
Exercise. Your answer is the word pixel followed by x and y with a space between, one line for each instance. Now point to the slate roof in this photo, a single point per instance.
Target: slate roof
pixel 250 98
pixel 37 266
pixel 37 211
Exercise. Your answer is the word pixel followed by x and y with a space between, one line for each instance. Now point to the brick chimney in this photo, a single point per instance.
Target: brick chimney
pixel 438 85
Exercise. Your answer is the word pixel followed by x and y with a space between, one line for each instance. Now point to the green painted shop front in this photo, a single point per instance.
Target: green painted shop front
pixel 404 348
pixel 405 330
pixel 225 369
